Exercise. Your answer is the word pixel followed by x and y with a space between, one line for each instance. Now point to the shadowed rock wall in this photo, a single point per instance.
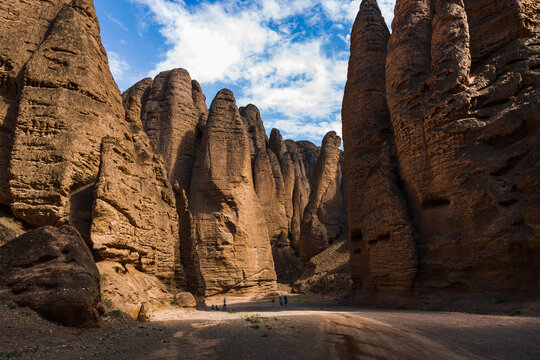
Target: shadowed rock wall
pixel 458 195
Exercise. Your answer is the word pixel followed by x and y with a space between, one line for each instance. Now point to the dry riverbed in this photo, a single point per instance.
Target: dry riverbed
pixel 257 330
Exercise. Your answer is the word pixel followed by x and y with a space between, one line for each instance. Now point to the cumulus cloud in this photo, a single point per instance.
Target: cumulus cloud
pixel 118 65
pixel 275 51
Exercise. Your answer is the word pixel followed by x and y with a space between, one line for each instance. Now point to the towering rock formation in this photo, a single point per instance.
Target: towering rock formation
pixel 63 101
pixel 134 219
pixel 232 238
pixel 170 117
pixel 266 178
pixel 58 101
pixel 383 252
pixel 460 191
pixel 323 220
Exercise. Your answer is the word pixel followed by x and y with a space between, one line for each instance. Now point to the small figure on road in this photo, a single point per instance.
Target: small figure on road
pixel 280 301
pixel 273 301
pixel 213 307
pixel 224 304
pixel 285 300
pixel 217 307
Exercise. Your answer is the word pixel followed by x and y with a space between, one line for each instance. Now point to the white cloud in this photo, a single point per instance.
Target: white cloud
pixel 118 65
pixel 253 44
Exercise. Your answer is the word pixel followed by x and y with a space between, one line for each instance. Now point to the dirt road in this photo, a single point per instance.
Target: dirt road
pixel 300 331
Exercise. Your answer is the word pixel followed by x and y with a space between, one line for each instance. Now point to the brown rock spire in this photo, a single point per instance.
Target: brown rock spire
pixel 383 254
pixel 230 229
pixel 317 223
pixel 67 102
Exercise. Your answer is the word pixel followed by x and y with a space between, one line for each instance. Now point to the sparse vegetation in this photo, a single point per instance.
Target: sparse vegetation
pixel 253 318
pixel 255 327
pixel 265 335
pixel 232 311
pixel 106 301
pixel 11 354
pixel 515 312
pixel 11 305
pixel 113 314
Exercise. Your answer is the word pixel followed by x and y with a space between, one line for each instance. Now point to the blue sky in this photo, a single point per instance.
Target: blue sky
pixel 288 57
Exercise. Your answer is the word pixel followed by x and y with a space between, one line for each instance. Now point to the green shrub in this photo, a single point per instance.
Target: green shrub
pixel 253 318
pixel 114 314
pixel 10 304
pixel 515 313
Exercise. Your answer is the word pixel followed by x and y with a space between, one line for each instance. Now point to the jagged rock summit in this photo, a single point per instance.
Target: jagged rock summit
pixel 441 125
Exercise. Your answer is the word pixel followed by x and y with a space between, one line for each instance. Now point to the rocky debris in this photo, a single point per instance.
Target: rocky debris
pixel 462 88
pixel 10 228
pixel 185 300
pixel 51 270
pixel 323 221
pixel 63 101
pixel 143 316
pixel 170 116
pixel 383 252
pixel 328 272
pixel 125 288
pixel 134 219
pixel 230 230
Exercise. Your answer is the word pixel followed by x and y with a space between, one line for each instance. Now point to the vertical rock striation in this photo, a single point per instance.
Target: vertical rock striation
pixel 134 218
pixel 322 221
pixel 383 253
pixel 170 116
pixel 463 95
pixel 232 238
pixel 66 101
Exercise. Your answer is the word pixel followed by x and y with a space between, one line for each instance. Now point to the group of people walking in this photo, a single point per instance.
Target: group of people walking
pixel 282 301
pixel 216 307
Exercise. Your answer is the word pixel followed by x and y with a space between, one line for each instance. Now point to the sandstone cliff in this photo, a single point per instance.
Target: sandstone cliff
pixel 61 100
pixel 458 195
pixel 232 238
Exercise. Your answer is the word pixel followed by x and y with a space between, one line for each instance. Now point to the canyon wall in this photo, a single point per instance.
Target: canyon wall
pixel 441 124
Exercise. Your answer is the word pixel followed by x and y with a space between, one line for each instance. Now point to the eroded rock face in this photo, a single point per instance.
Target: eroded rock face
pixel 383 252
pixel 232 238
pixel 59 101
pixel 170 117
pixel 134 100
pixel 126 288
pixel 134 218
pixel 51 270
pixel 266 178
pixel 463 96
pixel 323 221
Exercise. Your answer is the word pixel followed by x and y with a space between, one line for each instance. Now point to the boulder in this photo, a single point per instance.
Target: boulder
pixel 185 300
pixel 51 270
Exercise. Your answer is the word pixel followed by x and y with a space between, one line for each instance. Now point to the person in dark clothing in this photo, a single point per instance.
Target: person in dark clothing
pixel 224 304
pixel 285 300
pixel 273 302
pixel 280 301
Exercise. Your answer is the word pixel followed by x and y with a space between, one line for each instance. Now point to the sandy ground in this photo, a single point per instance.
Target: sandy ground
pixel 257 331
